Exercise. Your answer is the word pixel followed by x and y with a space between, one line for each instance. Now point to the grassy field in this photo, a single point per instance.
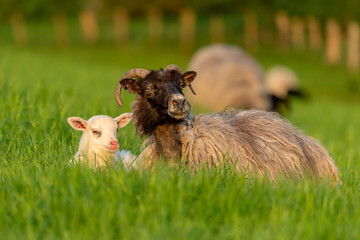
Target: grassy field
pixel 43 198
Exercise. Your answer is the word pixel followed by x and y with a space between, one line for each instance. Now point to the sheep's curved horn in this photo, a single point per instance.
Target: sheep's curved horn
pixel 174 67
pixel 136 72
pixel 118 94
pixel 133 73
pixel 177 68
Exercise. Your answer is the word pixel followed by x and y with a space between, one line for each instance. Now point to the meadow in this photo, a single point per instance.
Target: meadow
pixel 43 198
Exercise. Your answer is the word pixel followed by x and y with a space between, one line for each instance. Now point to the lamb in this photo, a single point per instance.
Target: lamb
pixel 98 146
pixel 228 76
pixel 255 142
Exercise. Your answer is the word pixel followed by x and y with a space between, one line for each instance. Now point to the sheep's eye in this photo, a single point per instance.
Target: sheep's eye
pixel 148 89
pixel 96 133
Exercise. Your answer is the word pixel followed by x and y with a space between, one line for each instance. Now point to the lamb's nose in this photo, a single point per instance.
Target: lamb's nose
pixel 114 143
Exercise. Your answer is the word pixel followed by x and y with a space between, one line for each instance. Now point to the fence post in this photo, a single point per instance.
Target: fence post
pixel 315 39
pixel 17 22
pixel 89 26
pixel 267 37
pixel 217 29
pixel 61 29
pixel 187 28
pixel 283 27
pixel 353 46
pixel 121 25
pixel 251 30
pixel 155 19
pixel 333 42
pixel 298 33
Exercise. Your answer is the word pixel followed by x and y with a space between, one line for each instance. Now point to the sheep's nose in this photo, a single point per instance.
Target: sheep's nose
pixel 178 100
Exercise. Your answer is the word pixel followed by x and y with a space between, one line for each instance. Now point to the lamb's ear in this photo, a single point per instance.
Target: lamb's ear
pixel 188 77
pixel 123 119
pixel 78 123
pixel 131 86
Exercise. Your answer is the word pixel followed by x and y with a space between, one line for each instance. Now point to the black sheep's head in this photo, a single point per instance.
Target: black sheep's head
pixel 162 89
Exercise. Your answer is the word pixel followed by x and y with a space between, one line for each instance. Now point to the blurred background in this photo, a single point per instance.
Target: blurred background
pixel 318 39
pixel 326 30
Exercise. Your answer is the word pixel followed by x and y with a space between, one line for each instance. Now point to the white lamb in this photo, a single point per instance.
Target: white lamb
pixel 98 146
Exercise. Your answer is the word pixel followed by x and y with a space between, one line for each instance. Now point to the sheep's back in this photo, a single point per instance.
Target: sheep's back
pixel 227 76
pixel 255 141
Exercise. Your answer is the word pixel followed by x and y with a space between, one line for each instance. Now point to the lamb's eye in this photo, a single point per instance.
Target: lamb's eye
pixel 148 89
pixel 96 133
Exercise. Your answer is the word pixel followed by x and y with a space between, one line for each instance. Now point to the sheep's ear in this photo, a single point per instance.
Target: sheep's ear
pixel 123 119
pixel 131 86
pixel 188 77
pixel 78 123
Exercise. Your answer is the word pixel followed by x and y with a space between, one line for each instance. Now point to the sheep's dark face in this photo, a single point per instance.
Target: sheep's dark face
pixel 163 91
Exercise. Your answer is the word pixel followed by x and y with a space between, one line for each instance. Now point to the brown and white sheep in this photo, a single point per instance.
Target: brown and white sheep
pixel 256 142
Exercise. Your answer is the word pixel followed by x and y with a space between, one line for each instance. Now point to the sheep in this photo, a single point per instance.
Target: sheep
pixel 98 146
pixel 281 82
pixel 254 141
pixel 228 76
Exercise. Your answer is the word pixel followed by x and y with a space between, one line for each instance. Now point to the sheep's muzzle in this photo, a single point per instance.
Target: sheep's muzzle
pixel 178 106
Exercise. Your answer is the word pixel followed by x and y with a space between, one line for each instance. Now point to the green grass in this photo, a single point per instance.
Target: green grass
pixel 43 198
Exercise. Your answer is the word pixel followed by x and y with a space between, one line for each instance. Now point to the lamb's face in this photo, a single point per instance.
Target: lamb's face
pixel 163 91
pixel 101 130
